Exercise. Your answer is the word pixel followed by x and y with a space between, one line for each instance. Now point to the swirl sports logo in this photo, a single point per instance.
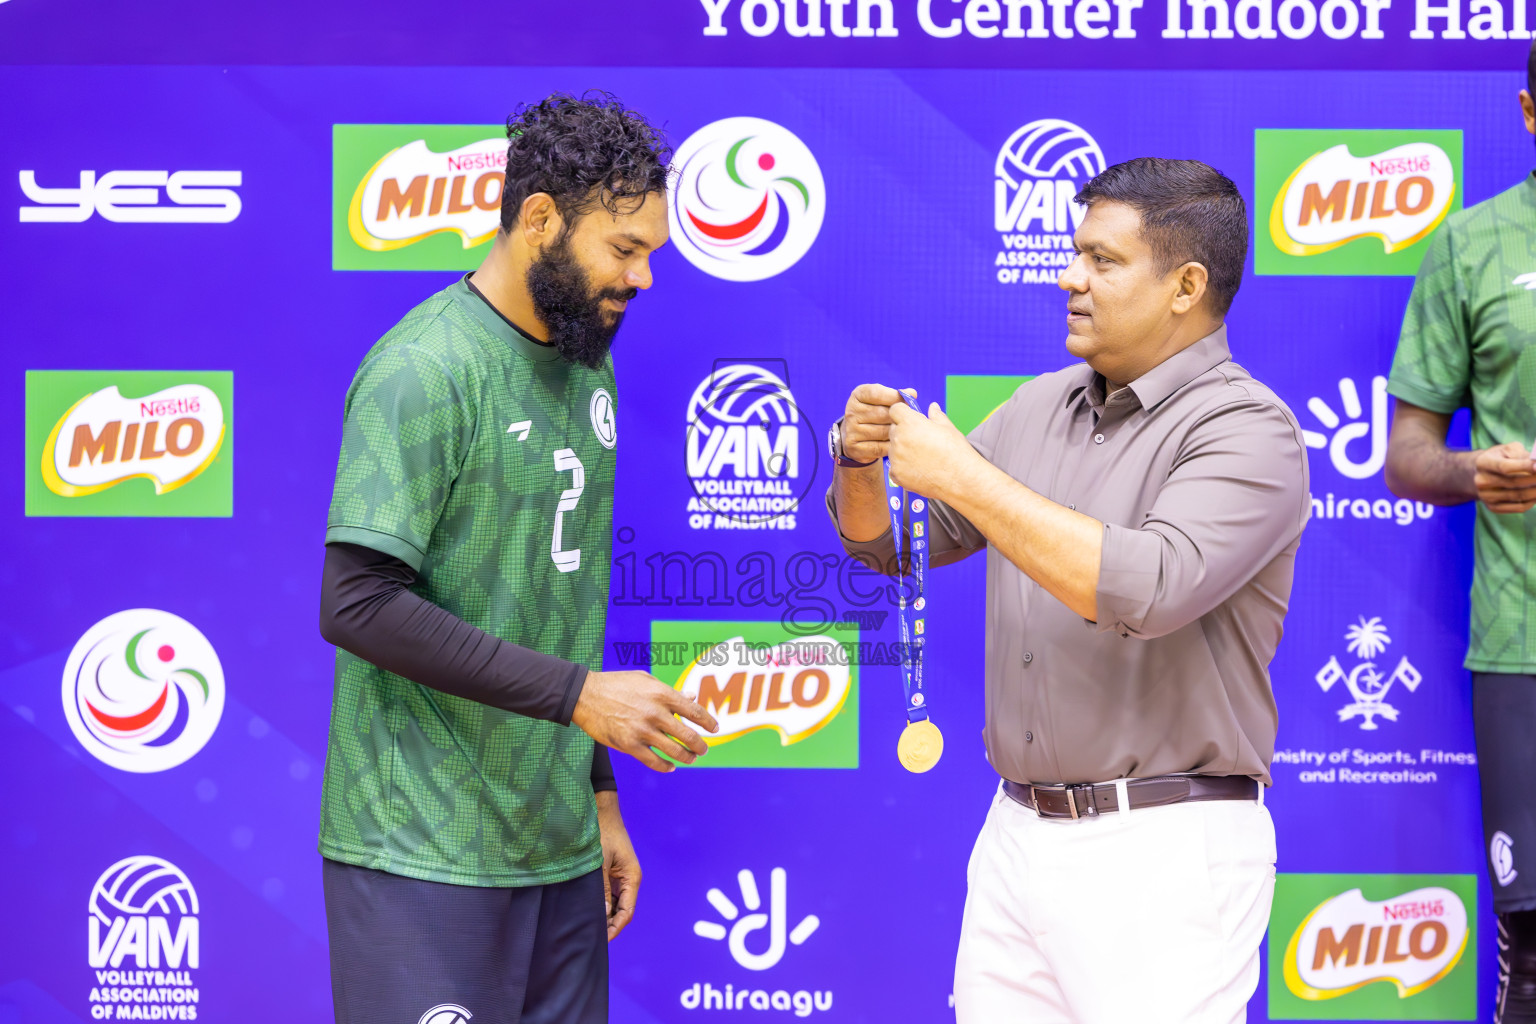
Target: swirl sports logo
pixel 143 690
pixel 748 201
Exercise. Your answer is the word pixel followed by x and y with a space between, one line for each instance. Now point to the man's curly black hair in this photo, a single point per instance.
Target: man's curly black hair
pixel 584 152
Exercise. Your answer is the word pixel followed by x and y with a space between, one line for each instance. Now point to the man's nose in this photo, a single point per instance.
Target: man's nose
pixel 1075 277
pixel 639 277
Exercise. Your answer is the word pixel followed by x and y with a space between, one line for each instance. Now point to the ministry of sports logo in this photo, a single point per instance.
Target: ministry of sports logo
pixel 143 941
pixel 1039 170
pixel 1368 640
pixel 744 444
pixel 143 690
pixel 748 201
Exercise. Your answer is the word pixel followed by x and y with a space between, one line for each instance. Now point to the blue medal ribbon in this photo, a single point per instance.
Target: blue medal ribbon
pixel 909 614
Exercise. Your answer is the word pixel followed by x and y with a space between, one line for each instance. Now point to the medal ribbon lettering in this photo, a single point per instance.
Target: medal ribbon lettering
pixel 921 742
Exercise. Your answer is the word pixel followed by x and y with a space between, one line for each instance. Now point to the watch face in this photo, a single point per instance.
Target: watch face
pixel 832 441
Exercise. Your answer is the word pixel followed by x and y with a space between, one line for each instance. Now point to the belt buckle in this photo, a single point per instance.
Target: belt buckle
pixel 1090 810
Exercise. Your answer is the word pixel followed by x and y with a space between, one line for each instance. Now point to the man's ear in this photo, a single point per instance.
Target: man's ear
pixel 539 220
pixel 1190 281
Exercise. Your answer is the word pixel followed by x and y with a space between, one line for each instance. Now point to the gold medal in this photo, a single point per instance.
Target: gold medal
pixel 920 746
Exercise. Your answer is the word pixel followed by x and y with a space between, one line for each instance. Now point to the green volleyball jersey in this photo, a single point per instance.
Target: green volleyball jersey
pixel 486 462
pixel 1469 339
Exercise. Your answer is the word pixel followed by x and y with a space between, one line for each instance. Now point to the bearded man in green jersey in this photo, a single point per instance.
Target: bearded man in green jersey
pixel 1469 339
pixel 475 860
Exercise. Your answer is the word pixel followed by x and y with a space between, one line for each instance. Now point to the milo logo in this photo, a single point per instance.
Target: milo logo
pixel 128 443
pixel 1352 202
pixel 782 701
pixel 415 197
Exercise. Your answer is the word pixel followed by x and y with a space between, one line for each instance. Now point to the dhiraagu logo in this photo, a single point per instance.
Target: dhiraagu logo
pixel 1351 203
pixel 1373 947
pixel 129 443
pixel 415 196
pixel 782 701
pixel 969 399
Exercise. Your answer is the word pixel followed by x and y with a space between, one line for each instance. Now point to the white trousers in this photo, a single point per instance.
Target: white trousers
pixel 1149 917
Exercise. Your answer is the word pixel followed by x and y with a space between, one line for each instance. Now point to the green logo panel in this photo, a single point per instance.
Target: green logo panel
pixel 414 196
pixel 129 443
pixel 1351 202
pixel 782 700
pixel 1373 947
pixel 971 398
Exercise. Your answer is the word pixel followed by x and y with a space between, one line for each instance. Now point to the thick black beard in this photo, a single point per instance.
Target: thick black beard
pixel 579 327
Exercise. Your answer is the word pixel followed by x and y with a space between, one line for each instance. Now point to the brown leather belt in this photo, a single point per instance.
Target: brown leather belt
pixel 1090 800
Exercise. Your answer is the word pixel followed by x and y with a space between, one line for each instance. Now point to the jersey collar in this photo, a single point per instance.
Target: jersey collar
pixel 489 317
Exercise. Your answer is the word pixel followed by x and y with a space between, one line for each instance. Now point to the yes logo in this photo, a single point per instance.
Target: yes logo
pixel 415 196
pixel 1373 947
pixel 782 701
pixel 130 443
pixel 1352 202
pixel 133 197
pixel 744 927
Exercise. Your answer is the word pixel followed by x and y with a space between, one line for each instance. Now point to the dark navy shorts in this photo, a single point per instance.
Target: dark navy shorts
pixel 405 951
pixel 1504 718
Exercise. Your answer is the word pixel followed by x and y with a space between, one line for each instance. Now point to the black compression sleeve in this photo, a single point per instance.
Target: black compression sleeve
pixel 602 770
pixel 367 608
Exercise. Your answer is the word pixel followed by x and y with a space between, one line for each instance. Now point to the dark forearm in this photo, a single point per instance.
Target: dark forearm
pixel 367 608
pixel 860 498
pixel 1419 464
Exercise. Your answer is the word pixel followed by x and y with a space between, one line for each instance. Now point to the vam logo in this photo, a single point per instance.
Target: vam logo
pixel 782 700
pixel 1368 640
pixel 143 690
pixel 143 941
pixel 92 433
pixel 749 199
pixel 415 196
pixel 1039 170
pixel 744 441
pixel 446 1013
pixel 1378 193
pixel 134 197
pixel 1355 440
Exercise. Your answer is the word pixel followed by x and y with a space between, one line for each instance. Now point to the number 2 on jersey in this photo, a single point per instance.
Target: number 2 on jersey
pixel 565 459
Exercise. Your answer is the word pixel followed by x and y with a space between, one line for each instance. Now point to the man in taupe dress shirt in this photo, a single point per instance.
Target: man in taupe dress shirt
pixel 1141 512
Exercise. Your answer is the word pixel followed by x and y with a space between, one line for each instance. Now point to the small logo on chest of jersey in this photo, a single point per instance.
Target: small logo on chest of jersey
pixel 446 1013
pixel 1526 281
pixel 604 421
pixel 1501 855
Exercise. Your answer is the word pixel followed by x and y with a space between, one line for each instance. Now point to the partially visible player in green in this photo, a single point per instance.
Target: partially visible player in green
pixel 1469 339
pixel 476 863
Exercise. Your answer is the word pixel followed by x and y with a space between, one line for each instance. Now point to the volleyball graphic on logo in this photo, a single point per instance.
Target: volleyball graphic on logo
pixel 1049 148
pixel 142 885
pixel 143 690
pixel 748 200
